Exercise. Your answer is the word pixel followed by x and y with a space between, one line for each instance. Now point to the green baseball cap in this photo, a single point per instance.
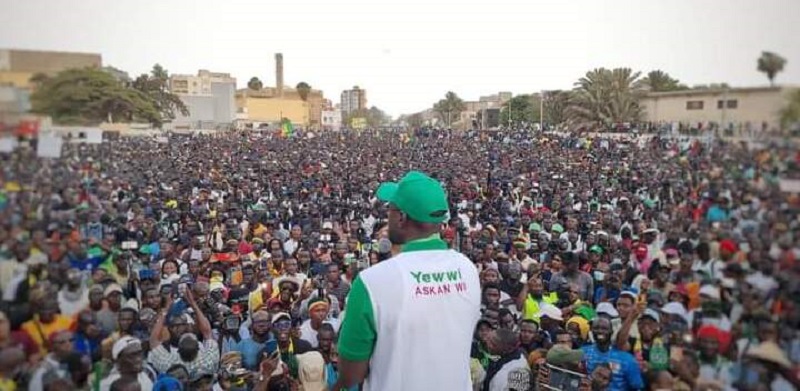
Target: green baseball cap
pixel 419 196
pixel 596 249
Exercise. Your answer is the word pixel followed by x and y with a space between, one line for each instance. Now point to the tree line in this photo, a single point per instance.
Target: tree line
pixel 600 98
pixel 89 96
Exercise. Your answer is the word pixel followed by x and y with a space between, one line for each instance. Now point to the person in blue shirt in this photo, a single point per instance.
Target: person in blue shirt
pixel 253 346
pixel 88 336
pixel 625 372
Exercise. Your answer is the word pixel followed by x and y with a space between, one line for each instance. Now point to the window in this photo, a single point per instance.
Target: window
pixel 694 105
pixel 720 104
pixel 733 104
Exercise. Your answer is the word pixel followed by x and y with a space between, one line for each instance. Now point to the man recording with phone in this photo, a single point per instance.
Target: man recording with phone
pixel 260 338
pixel 183 346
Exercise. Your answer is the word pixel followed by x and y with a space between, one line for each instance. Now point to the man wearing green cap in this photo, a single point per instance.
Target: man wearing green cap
pixel 410 319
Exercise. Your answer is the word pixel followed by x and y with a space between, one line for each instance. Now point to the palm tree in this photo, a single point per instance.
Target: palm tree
pixel 159 73
pixel 555 105
pixel 659 81
pixel 771 64
pixel 303 89
pixel 255 84
pixel 450 107
pixel 604 97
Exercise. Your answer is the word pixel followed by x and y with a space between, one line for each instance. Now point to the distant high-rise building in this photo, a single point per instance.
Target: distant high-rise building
pixel 352 100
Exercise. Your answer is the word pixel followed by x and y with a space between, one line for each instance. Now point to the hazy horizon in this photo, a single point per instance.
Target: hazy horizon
pixel 407 54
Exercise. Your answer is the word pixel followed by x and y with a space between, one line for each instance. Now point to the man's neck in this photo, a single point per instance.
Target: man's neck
pixel 604 347
pixel 420 236
pixel 260 338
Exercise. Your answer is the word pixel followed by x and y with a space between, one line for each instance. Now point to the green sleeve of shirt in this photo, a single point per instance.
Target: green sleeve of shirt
pixel 357 335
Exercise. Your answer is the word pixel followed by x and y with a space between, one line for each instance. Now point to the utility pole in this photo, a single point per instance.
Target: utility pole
pixel 541 112
pixel 509 113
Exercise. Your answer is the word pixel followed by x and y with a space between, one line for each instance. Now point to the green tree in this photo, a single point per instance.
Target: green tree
pixel 521 108
pixel 415 120
pixel 790 114
pixel 90 96
pixel 38 78
pixel 604 97
pixel 303 89
pixel 156 86
pixel 255 84
pixel 771 64
pixel 377 117
pixel 555 106
pixel 449 108
pixel 158 72
pixel 660 81
pixel 118 74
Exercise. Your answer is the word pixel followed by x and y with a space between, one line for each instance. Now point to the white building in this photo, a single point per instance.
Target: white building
pixel 209 96
pixel 331 120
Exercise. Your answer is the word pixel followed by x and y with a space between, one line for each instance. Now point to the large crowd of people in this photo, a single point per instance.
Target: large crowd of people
pixel 224 262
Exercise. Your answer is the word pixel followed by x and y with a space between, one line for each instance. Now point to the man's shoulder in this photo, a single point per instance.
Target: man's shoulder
pixel 302 346
pixel 211 343
pixel 623 355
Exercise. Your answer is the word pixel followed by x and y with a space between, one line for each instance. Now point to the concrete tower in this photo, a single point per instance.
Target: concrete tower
pixel 279 73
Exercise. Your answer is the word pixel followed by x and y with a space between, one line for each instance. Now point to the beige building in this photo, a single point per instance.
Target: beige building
pixel 18 66
pixel 727 107
pixel 271 104
pixel 199 84
pixel 474 110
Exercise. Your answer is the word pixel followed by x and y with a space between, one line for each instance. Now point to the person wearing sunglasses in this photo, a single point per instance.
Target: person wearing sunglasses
pixel 289 345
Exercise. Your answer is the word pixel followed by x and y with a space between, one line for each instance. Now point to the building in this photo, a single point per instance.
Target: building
pixel 210 98
pixel 18 66
pixel 498 99
pixel 475 111
pixel 331 120
pixel 488 118
pixel 272 104
pixel 728 107
pixel 352 100
pixel 15 103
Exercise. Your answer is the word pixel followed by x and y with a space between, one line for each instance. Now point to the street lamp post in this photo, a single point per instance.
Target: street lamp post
pixel 541 112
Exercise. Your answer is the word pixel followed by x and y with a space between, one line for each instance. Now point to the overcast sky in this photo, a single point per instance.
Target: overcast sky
pixel 408 53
